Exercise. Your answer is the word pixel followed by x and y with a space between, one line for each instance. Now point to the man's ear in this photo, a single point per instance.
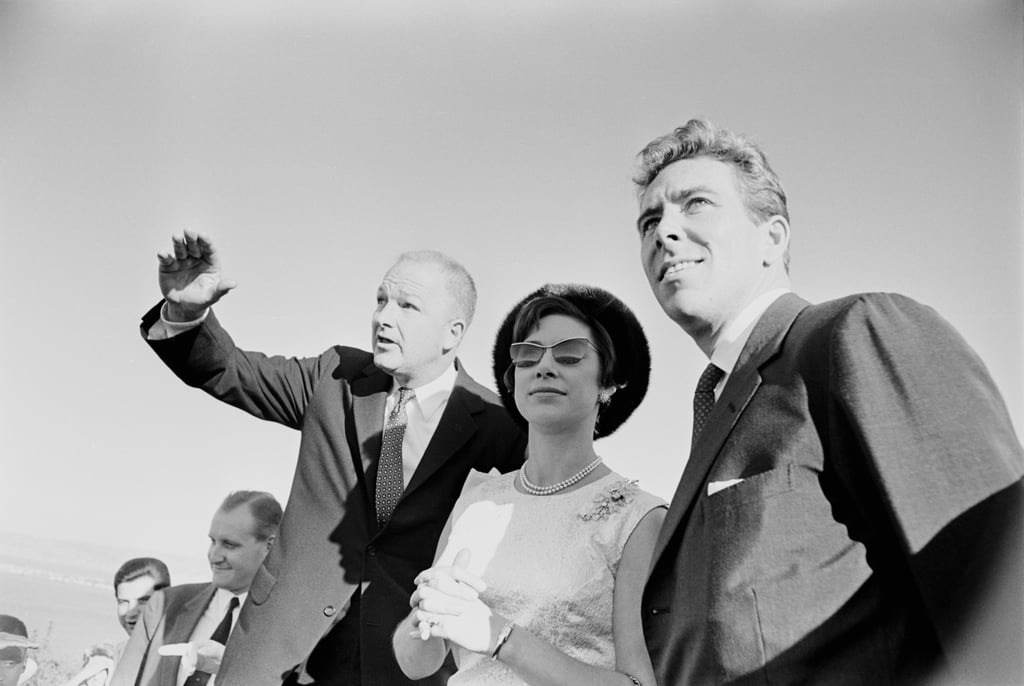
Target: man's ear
pixel 776 239
pixel 270 542
pixel 454 333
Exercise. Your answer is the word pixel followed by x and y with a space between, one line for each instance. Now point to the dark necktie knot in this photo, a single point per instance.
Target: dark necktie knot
pixel 709 378
pixel 404 396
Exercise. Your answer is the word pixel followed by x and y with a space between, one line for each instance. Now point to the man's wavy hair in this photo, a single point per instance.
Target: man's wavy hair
pixel 760 186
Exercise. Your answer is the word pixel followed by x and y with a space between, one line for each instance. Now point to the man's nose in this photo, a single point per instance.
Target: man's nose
pixel 384 313
pixel 667 232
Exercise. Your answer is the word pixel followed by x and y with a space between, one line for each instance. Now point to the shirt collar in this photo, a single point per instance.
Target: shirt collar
pixel 433 395
pixel 735 334
pixel 222 597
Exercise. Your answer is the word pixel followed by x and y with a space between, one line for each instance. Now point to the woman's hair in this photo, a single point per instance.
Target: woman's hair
pixel 538 308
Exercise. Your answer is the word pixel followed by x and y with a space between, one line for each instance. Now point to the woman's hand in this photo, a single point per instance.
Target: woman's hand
pixel 447 605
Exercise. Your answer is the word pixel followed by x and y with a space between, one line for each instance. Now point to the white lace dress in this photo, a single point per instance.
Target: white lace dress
pixel 549 563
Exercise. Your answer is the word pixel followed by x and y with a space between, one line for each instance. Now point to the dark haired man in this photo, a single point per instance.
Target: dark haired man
pixel 850 508
pixel 135 581
pixel 16 666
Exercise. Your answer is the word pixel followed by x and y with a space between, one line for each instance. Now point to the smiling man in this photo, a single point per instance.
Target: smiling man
pixel 242 532
pixel 387 439
pixel 135 581
pixel 849 511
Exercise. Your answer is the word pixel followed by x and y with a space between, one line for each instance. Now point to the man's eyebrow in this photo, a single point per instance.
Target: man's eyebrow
pixel 683 194
pixel 676 197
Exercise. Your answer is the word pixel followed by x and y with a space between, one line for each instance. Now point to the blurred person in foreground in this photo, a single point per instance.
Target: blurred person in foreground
pixel 539 573
pixel 387 438
pixel 849 512
pixel 179 639
pixel 135 581
pixel 16 667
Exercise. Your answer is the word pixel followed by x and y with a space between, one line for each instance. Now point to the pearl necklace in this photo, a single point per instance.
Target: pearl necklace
pixel 561 485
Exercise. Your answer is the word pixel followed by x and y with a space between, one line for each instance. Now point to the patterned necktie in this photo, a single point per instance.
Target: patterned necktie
pixel 389 468
pixel 704 399
pixel 220 635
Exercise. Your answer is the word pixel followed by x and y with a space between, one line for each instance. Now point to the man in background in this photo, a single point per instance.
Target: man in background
pixel 135 581
pixel 16 667
pixel 179 638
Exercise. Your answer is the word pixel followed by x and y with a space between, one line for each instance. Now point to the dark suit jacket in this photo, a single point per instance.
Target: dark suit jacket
pixel 330 546
pixel 170 617
pixel 880 475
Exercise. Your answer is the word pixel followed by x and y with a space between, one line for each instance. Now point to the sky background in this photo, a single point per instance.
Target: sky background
pixel 316 141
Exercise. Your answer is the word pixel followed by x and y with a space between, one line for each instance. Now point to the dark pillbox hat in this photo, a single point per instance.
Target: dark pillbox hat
pixel 633 357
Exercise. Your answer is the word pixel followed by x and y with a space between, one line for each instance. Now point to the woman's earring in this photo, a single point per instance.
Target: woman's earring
pixel 604 396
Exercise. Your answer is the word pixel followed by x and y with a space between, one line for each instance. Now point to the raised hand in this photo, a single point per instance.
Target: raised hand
pixel 190 277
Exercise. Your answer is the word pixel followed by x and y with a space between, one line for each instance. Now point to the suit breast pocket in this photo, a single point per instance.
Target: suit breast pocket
pixel 744 499
pixel 262 585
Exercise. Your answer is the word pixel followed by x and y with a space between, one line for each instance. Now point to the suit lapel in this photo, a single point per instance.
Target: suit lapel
pixel 369 395
pixel 763 344
pixel 179 628
pixel 455 428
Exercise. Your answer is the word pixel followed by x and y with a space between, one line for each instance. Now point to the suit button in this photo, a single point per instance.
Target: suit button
pixel 371 551
pixel 329 611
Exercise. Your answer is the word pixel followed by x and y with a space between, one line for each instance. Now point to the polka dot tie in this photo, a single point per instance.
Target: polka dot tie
pixel 389 468
pixel 704 399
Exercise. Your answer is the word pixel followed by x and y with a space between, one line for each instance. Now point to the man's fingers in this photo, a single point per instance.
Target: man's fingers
pixel 178 245
pixel 192 244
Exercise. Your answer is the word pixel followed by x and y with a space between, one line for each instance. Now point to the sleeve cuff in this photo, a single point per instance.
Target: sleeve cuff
pixel 163 328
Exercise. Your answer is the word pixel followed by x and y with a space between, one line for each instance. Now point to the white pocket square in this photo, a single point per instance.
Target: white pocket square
pixel 716 486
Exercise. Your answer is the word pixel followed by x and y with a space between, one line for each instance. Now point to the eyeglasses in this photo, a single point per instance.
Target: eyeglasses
pixel 568 351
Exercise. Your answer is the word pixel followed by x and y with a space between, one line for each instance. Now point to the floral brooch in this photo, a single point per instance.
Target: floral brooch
pixel 611 500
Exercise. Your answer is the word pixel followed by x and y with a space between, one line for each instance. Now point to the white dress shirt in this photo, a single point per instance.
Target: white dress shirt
pixel 424 412
pixel 209 622
pixel 736 333
pixel 164 328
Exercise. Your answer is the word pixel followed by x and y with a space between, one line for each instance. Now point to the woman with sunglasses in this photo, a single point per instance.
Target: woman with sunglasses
pixel 539 572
